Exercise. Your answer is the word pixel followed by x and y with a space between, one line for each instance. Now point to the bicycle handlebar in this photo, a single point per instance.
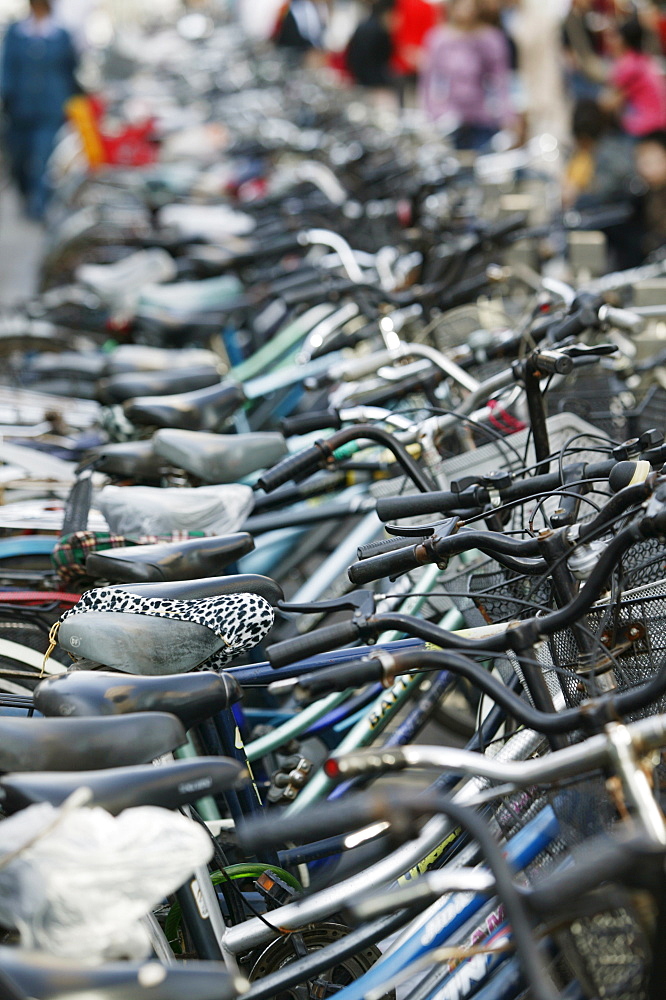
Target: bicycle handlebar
pixel 571 762
pixel 304 423
pixel 322 640
pixel 321 453
pixel 444 501
pixel 511 552
pixel 438 550
pixel 519 635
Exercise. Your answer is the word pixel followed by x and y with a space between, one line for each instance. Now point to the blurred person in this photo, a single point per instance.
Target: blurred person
pixel 369 51
pixel 651 166
pixel 601 168
pixel 634 86
pixel 465 76
pixel 580 44
pixel 637 92
pixel 536 26
pixel 38 78
pixel 601 175
pixel 301 26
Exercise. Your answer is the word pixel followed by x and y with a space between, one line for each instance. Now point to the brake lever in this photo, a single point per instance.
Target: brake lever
pixel 593 350
pixel 439 528
pixel 361 602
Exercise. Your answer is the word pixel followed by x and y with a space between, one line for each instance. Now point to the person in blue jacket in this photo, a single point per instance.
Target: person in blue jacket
pixel 37 79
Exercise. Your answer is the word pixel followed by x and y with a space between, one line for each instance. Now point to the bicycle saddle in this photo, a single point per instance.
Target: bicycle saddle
pixel 34 974
pixel 203 409
pixel 190 697
pixel 137 644
pixel 87 744
pixel 129 359
pixel 169 561
pixel 118 788
pixel 214 586
pixel 84 364
pixel 219 458
pixel 124 278
pixel 214 223
pixel 141 635
pixel 118 388
pixel 131 459
pixel 148 510
pixel 189 296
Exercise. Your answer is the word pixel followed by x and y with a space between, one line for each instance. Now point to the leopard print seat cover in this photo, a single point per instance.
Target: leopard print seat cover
pixel 240 620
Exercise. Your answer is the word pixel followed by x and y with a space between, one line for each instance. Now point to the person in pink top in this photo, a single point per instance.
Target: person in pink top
pixel 637 91
pixel 464 79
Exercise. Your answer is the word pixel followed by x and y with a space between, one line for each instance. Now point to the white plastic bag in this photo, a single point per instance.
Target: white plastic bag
pixel 148 510
pixel 80 890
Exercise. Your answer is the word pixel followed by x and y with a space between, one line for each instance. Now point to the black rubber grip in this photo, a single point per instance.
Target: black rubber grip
pixel 392 508
pixel 383 545
pixel 290 468
pixel 572 326
pixel 304 423
pixel 330 817
pixel 621 475
pixel 354 673
pixel 320 641
pixel 585 317
pixel 390 564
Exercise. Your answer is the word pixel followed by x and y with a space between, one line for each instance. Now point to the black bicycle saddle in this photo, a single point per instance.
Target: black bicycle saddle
pixel 190 697
pixel 201 410
pixel 169 561
pixel 118 388
pixel 129 459
pixel 118 788
pixel 87 744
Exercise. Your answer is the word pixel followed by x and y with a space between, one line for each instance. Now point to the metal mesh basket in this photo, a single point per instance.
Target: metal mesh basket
pixel 650 412
pixel 599 397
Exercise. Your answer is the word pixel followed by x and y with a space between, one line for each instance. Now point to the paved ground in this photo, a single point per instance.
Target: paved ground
pixel 21 243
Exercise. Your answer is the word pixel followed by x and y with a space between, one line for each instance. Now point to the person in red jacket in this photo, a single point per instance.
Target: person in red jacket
pixel 412 20
pixel 638 88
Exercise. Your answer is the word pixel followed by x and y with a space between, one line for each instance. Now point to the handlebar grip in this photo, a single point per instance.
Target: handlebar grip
pixel 572 326
pixel 622 319
pixel 322 640
pixel 355 673
pixel 292 467
pixel 334 817
pixel 389 564
pixel 586 316
pixel 304 423
pixel 392 508
pixel 383 545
